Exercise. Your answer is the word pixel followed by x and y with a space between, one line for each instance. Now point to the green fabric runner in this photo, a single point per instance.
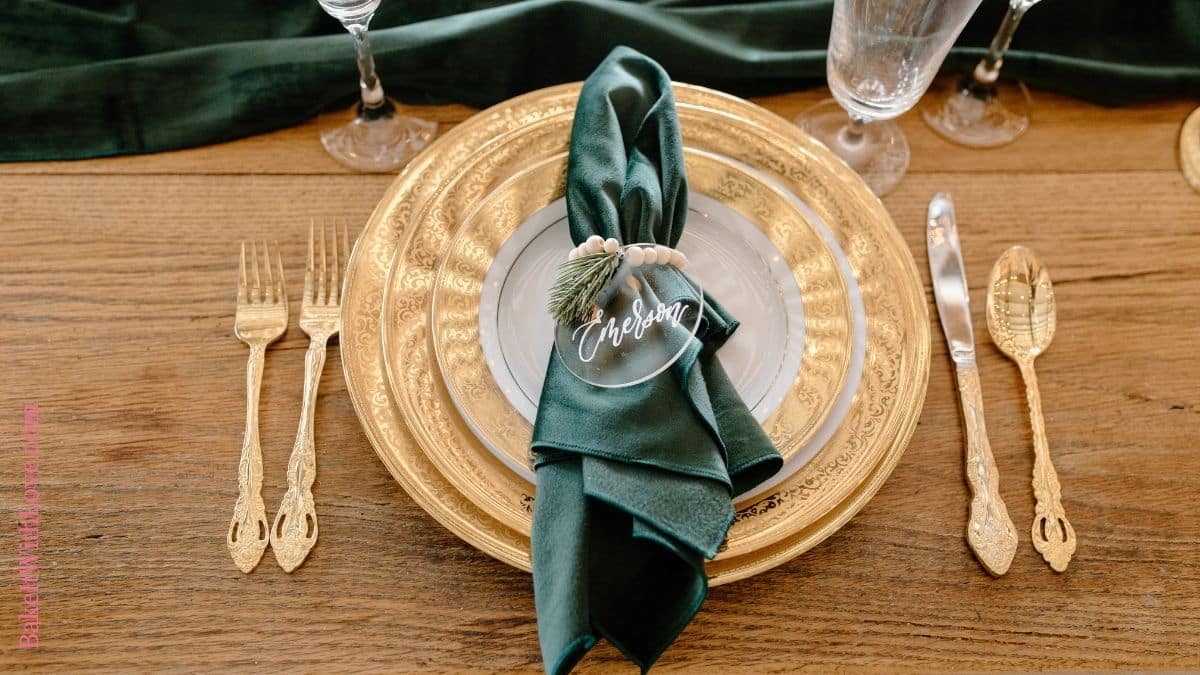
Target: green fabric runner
pixel 85 78
pixel 635 484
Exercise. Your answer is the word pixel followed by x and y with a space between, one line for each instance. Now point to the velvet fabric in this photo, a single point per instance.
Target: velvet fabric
pixel 86 78
pixel 635 484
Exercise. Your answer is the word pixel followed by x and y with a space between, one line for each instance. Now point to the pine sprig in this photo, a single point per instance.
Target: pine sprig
pixel 579 282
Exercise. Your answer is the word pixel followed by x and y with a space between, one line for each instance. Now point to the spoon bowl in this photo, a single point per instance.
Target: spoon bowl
pixel 1020 305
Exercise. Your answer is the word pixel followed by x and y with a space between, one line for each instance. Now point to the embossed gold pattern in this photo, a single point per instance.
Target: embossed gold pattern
pixel 455 325
pixel 819 498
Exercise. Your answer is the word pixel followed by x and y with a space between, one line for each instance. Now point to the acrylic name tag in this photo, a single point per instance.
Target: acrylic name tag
pixel 632 333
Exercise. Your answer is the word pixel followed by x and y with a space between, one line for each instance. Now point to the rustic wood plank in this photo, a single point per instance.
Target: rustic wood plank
pixel 116 315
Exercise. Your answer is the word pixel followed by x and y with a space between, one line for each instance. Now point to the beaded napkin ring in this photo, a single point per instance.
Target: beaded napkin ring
pixel 593 264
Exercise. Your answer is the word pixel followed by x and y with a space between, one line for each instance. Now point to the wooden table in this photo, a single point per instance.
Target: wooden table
pixel 116 311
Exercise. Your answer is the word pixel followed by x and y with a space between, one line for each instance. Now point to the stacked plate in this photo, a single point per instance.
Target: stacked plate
pixel 445 335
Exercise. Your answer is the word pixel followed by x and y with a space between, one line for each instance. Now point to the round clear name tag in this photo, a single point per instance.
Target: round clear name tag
pixel 643 320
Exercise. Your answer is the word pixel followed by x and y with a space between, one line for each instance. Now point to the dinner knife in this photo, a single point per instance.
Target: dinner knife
pixel 990 532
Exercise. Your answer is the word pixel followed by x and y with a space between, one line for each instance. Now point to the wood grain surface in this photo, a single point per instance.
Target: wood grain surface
pixel 116 314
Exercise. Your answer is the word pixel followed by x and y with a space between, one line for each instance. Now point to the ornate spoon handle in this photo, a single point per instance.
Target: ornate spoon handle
pixel 1053 535
pixel 295 530
pixel 990 532
pixel 248 535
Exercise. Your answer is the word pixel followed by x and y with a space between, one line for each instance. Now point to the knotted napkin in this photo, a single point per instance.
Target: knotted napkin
pixel 635 484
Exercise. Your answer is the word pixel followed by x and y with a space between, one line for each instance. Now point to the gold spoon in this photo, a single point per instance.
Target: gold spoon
pixel 1021 319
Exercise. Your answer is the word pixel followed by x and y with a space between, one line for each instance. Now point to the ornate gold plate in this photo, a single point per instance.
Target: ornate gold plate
pixel 448 439
pixel 802 511
pixel 459 285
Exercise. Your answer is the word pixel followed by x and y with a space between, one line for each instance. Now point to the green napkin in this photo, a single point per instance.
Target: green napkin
pixel 635 484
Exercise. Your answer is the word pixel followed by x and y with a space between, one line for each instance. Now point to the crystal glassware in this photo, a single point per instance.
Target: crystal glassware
pixel 979 111
pixel 378 138
pixel 883 54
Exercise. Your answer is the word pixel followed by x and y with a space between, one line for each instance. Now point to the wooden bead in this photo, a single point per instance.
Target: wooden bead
pixel 594 244
pixel 611 245
pixel 573 254
pixel 663 254
pixel 650 256
pixel 635 255
pixel 679 260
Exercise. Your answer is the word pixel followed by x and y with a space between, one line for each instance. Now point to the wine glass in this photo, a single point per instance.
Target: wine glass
pixel 978 112
pixel 378 138
pixel 883 55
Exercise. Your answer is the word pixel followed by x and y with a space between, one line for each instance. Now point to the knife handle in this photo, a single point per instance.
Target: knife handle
pixel 990 532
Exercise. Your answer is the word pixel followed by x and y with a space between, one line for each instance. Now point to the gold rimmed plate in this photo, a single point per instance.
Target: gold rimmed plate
pixel 750 245
pixel 835 484
pixel 428 406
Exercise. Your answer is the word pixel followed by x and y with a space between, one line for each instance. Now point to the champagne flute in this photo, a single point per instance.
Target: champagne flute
pixel 378 138
pixel 978 112
pixel 883 54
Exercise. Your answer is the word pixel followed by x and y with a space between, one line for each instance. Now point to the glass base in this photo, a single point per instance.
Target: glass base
pixel 378 142
pixel 879 154
pixel 978 118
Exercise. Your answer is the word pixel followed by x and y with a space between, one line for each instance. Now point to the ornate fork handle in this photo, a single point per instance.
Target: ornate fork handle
pixel 295 530
pixel 1053 535
pixel 248 534
pixel 990 532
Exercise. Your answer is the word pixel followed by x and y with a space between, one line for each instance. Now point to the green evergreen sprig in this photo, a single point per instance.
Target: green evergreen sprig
pixel 579 282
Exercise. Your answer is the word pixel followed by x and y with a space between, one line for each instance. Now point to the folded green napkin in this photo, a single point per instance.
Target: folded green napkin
pixel 635 484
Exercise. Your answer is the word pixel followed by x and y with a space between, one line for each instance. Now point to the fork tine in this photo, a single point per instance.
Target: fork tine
pixel 269 289
pixel 243 297
pixel 335 285
pixel 323 278
pixel 280 283
pixel 344 261
pixel 256 292
pixel 308 266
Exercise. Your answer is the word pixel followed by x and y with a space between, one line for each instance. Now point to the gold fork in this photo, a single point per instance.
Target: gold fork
pixel 295 530
pixel 262 316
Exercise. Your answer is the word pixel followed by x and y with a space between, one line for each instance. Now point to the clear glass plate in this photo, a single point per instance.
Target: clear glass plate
pixel 730 258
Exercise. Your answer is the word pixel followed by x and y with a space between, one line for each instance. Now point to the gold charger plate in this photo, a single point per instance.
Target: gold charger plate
pixel 449 440
pixel 431 413
pixel 459 287
pixel 894 383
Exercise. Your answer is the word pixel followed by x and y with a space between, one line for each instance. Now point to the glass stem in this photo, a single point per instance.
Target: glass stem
pixel 988 70
pixel 852 133
pixel 370 88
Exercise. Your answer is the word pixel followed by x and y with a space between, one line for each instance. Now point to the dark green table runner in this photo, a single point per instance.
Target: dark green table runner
pixel 86 78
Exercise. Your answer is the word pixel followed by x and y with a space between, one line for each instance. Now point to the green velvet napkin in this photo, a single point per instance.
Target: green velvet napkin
pixel 635 484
